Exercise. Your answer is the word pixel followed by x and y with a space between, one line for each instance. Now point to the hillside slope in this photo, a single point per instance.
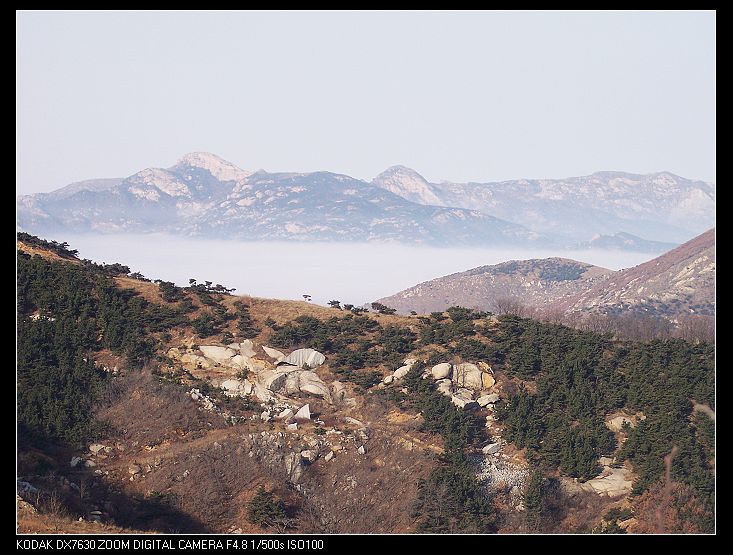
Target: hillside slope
pixel 681 281
pixel 187 401
pixel 534 282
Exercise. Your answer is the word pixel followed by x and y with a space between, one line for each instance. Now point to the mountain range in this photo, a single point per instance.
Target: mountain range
pixel 681 281
pixel 203 195
pixel 658 206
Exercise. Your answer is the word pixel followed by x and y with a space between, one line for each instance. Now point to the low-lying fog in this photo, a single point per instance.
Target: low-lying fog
pixel 351 273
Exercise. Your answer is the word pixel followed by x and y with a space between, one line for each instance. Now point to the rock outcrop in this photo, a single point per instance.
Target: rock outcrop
pixel 441 371
pixel 273 353
pixel 304 357
pixel 470 376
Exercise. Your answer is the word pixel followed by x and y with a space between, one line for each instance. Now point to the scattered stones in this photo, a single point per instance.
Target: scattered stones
pixel 463 403
pixel 616 424
pixel 95 448
pixel 497 474
pixel 134 469
pixel 338 392
pixel 265 416
pixel 25 487
pixel 89 463
pixel 485 400
pixel 441 371
pixel 309 455
pixel 304 413
pixel 491 448
pixel 445 387
pixel 354 421
pixel 361 450
pixel 388 379
pixel 285 415
pixel 75 461
pixel 292 427
pixel 293 466
pixel 401 372
pixel 328 456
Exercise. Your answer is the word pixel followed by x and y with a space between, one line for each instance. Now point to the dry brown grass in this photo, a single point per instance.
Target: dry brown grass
pixel 43 253
pixel 38 523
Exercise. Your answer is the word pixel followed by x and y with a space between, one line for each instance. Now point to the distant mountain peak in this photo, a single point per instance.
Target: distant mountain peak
pixel 222 169
pixel 408 184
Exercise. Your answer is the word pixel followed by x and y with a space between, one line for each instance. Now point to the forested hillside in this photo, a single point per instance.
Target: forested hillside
pixel 553 395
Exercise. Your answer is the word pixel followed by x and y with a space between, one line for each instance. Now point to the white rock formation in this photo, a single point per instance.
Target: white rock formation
pixel 472 377
pixel 273 353
pixel 309 382
pixel 401 372
pixel 304 413
pixel 442 370
pixel 463 403
pixel 191 360
pixel 338 392
pixel 444 387
pixel 309 455
pixel 274 380
pixel 239 361
pixel 616 424
pixel 613 482
pixel 246 348
pixel 234 387
pixel 285 415
pixel 220 355
pixel 301 357
pixel 485 400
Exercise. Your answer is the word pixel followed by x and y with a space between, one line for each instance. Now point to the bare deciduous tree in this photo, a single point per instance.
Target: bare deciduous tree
pixel 510 305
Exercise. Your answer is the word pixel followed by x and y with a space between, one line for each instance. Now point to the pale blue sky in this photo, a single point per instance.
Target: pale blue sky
pixel 456 95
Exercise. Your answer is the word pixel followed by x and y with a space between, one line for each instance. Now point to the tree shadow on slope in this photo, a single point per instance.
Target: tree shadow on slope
pixel 47 481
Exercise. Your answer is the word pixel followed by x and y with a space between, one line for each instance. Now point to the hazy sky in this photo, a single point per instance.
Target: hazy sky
pixel 455 95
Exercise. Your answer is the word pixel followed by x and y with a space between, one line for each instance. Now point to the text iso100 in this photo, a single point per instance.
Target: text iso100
pixel 305 544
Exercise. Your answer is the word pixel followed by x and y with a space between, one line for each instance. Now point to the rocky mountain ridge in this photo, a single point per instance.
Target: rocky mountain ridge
pixel 203 195
pixel 658 206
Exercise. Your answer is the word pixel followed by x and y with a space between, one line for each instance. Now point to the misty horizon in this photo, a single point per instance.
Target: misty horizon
pixel 356 273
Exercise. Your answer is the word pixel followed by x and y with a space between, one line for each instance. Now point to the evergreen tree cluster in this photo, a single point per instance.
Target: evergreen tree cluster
pixel 451 500
pixel 66 312
pixel 580 377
